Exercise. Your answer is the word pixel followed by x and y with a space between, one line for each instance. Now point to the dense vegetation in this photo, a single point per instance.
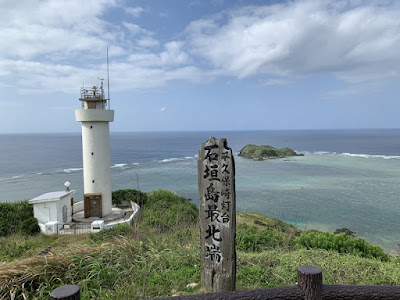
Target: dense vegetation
pixel 265 152
pixel 159 255
pixel 17 217
pixel 121 197
pixel 341 243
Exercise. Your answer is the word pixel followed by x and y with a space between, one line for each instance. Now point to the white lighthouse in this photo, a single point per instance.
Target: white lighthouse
pixel 95 116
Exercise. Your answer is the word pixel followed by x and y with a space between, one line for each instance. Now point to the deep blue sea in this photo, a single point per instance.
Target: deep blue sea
pixel 347 178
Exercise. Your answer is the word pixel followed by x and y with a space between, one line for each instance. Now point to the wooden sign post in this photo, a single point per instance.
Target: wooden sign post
pixel 217 204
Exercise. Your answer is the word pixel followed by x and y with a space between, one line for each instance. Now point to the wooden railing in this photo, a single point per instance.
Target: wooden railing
pixel 310 287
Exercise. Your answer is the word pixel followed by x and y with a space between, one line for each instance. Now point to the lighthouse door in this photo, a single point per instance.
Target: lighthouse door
pixel 93 205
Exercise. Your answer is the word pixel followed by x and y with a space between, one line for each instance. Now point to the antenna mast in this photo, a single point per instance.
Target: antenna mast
pixel 108 81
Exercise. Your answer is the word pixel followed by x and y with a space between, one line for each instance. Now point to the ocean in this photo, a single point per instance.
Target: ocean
pixel 346 178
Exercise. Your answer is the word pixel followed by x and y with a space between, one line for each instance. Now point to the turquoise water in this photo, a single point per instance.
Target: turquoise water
pixel 322 190
pixel 327 191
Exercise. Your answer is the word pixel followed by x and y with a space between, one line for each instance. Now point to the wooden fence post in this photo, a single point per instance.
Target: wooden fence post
pixel 66 292
pixel 309 279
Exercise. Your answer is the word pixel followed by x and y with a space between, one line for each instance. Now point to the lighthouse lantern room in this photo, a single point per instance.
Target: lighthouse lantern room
pixel 95 117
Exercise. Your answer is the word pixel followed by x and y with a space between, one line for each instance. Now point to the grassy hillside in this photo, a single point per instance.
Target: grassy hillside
pixel 265 152
pixel 160 255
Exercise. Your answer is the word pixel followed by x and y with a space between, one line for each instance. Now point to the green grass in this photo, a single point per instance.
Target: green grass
pixel 159 255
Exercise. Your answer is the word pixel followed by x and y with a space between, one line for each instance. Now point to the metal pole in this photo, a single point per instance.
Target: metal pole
pixel 108 82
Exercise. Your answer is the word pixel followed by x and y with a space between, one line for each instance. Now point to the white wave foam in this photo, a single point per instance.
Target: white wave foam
pixel 303 152
pixel 170 160
pixel 347 154
pixel 71 170
pixel 323 152
pixel 11 178
pixel 119 166
pixel 135 164
pixel 356 155
pixel 177 159
pixel 371 156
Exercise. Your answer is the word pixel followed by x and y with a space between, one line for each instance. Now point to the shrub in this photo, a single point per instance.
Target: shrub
pixel 12 216
pixel 251 238
pixel 166 210
pixel 30 226
pixel 341 243
pixel 118 197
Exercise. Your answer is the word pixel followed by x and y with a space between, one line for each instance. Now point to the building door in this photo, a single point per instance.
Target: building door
pixel 93 205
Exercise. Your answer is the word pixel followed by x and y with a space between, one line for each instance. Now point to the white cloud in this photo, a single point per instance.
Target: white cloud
pixel 136 29
pixel 351 41
pixel 128 76
pixel 143 37
pixel 147 42
pixel 48 47
pixel 135 11
pixel 173 54
pixel 36 28
pixel 163 108
pixel 276 81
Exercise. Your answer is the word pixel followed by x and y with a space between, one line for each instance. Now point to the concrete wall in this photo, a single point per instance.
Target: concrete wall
pixel 66 201
pixel 78 206
pixel 94 115
pixel 96 153
pixel 45 212
pixel 53 210
pixel 136 211
pixel 96 161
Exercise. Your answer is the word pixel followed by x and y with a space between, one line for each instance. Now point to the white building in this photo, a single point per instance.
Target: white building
pixel 52 210
pixel 95 120
pixel 56 211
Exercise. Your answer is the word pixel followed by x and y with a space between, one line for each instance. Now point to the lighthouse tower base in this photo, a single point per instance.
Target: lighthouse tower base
pixel 116 213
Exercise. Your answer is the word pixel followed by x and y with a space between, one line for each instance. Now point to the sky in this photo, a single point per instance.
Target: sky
pixel 201 65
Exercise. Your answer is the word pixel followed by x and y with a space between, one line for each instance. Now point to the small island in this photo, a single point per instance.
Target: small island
pixel 266 152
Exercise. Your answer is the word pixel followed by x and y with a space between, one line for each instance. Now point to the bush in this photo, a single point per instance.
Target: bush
pixel 165 210
pixel 118 197
pixel 251 238
pixel 13 215
pixel 341 243
pixel 30 226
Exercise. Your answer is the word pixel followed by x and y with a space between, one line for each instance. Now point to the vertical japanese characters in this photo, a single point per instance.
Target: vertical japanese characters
pixel 217 197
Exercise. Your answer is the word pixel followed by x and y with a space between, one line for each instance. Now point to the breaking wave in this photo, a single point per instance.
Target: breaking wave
pixel 371 156
pixel 346 154
pixel 72 170
pixel 166 160
pixel 119 166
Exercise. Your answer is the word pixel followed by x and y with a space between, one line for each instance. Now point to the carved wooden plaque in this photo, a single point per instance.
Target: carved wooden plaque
pixel 217 205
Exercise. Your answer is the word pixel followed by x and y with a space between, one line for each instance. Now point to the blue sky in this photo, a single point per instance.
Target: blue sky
pixel 202 65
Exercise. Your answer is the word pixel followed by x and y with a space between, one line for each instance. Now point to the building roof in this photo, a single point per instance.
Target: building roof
pixel 52 196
